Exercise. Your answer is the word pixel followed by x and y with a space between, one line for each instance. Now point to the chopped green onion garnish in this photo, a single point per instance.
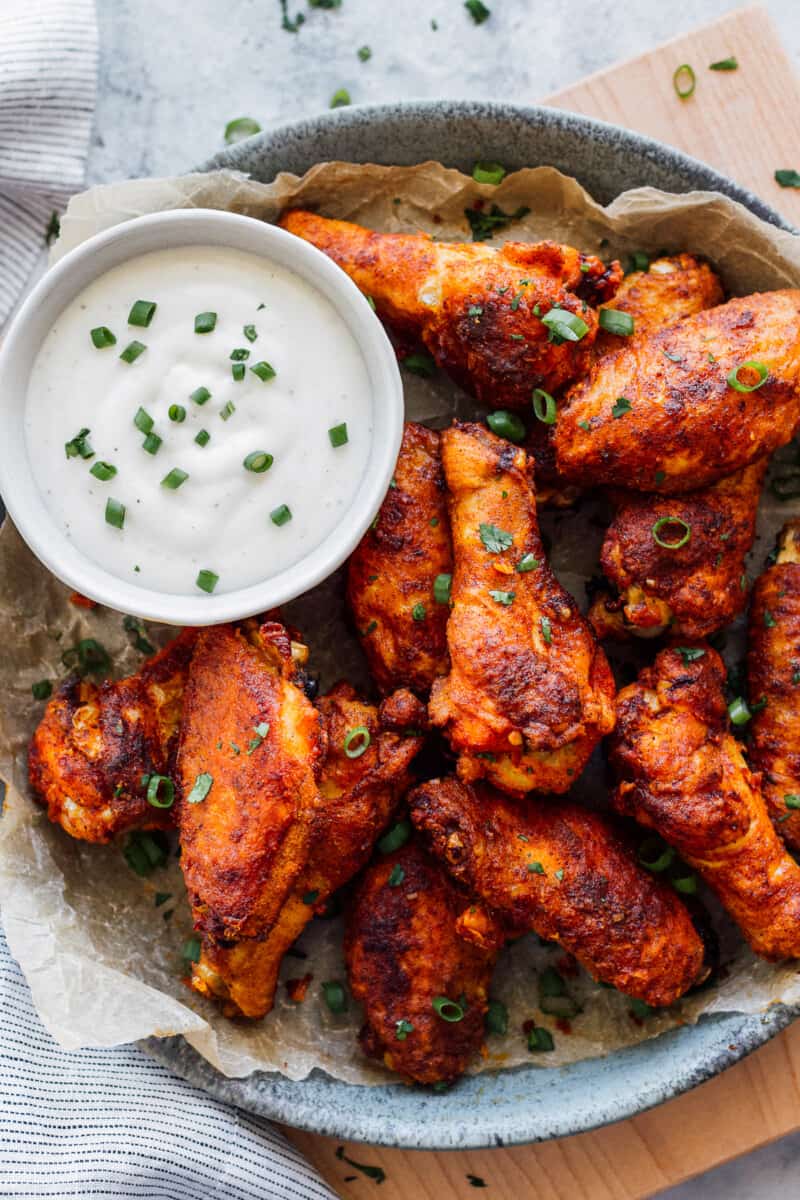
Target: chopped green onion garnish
pixel 132 351
pixel 42 689
pixel 448 1010
pixel 397 836
pixel 281 514
pixel 685 884
pixel 724 64
pixel 115 513
pixel 79 445
pixel 364 53
pixel 441 588
pixel 200 788
pixel 684 81
pixel 102 337
pixel 142 313
pixel 419 364
pixel 689 654
pixel 89 657
pixel 264 371
pixel 544 407
pixel 419 612
pixel 337 435
pixel 258 461
pixel 526 563
pixel 177 413
pixel 477 10
pixel 103 471
pixel 191 949
pixel 356 741
pixel 203 437
pixel 791 801
pixel 402 1029
pixel 207 581
pixel 396 876
pixel 238 371
pixel 506 424
pixel 335 996
pixel 682 537
pixel 205 322
pixel 151 443
pixel 174 479
pixel 496 1019
pixel 540 1040
pixel 739 712
pixel 640 261
pixel 240 128
pixel 735 382
pixel 240 354
pixel 200 395
pixel 613 320
pixel 227 410
pixel 564 325
pixel 160 791
pixel 488 172
pixel 655 855
pixel 145 851
pixel 340 98
pixel 787 177
pixel 143 421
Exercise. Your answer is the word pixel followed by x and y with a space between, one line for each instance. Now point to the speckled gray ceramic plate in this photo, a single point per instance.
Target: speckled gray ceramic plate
pixel 528 1104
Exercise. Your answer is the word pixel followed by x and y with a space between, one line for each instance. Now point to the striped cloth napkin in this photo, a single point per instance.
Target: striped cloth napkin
pixel 101 1123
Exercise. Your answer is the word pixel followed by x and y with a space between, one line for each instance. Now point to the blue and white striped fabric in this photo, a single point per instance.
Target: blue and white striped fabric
pixel 48 73
pixel 113 1123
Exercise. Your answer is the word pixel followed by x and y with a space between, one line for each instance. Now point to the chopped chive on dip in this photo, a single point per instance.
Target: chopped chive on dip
pixel 177 413
pixel 337 435
pixel 227 410
pixel 102 471
pixel 133 351
pixel 205 322
pixel 258 461
pixel 364 53
pixel 250 332
pixel 340 98
pixel 207 580
pixel 238 370
pixel 239 129
pixel 143 421
pixel 200 395
pixel 264 371
pixel 142 313
pixel 115 513
pixel 240 354
pixel 174 478
pixel 203 437
pixel 488 172
pixel 477 10
pixel 281 514
pixel 79 446
pixel 102 337
pixel 152 443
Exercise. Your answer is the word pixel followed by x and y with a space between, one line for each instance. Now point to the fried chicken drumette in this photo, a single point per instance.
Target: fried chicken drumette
pixel 97 746
pixel 682 773
pixel 529 693
pixel 773 674
pixel 664 579
pixel 364 776
pixel 413 970
pixel 499 321
pixel 690 404
pixel 391 574
pixel 552 867
pixel 250 755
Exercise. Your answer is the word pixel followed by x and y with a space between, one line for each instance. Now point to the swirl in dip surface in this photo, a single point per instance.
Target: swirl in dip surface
pixel 157 491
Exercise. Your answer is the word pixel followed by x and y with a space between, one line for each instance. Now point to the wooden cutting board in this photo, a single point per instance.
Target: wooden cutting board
pixel 746 123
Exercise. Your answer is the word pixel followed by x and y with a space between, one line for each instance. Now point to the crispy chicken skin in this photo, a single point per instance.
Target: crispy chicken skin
pixel 529 693
pixel 403 950
pixel 552 867
pixel 96 742
pixel 686 427
pixel 773 675
pixel 358 798
pixel 392 571
pixel 694 590
pixel 473 305
pixel 682 773
pixel 245 844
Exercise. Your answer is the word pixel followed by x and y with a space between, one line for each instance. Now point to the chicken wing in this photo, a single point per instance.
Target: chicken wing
pixel 359 793
pixel 485 314
pixel 553 867
pixel 250 754
pixel 392 572
pixel 407 963
pixel 529 693
pixel 692 589
pixel 773 670
pixel 661 415
pixel 92 755
pixel 682 773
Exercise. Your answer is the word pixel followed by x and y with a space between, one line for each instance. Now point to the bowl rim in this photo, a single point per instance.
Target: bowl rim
pixel 89 261
pixel 322 1104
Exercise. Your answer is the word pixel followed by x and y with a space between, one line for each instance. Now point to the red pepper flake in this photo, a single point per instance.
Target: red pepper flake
pixel 528 1025
pixel 82 601
pixel 567 965
pixel 297 988
pixel 563 1025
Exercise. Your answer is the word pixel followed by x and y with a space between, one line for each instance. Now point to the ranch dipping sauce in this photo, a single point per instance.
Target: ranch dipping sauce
pixel 225 450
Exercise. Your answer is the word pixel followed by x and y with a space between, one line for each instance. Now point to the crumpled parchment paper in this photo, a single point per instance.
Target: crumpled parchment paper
pixel 103 963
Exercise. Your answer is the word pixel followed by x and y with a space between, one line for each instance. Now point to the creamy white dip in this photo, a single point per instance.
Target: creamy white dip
pixel 222 518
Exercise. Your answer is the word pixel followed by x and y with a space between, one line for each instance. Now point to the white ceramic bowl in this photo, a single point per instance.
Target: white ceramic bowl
pixel 191 227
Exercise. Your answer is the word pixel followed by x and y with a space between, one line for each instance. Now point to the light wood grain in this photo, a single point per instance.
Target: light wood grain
pixel 746 123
